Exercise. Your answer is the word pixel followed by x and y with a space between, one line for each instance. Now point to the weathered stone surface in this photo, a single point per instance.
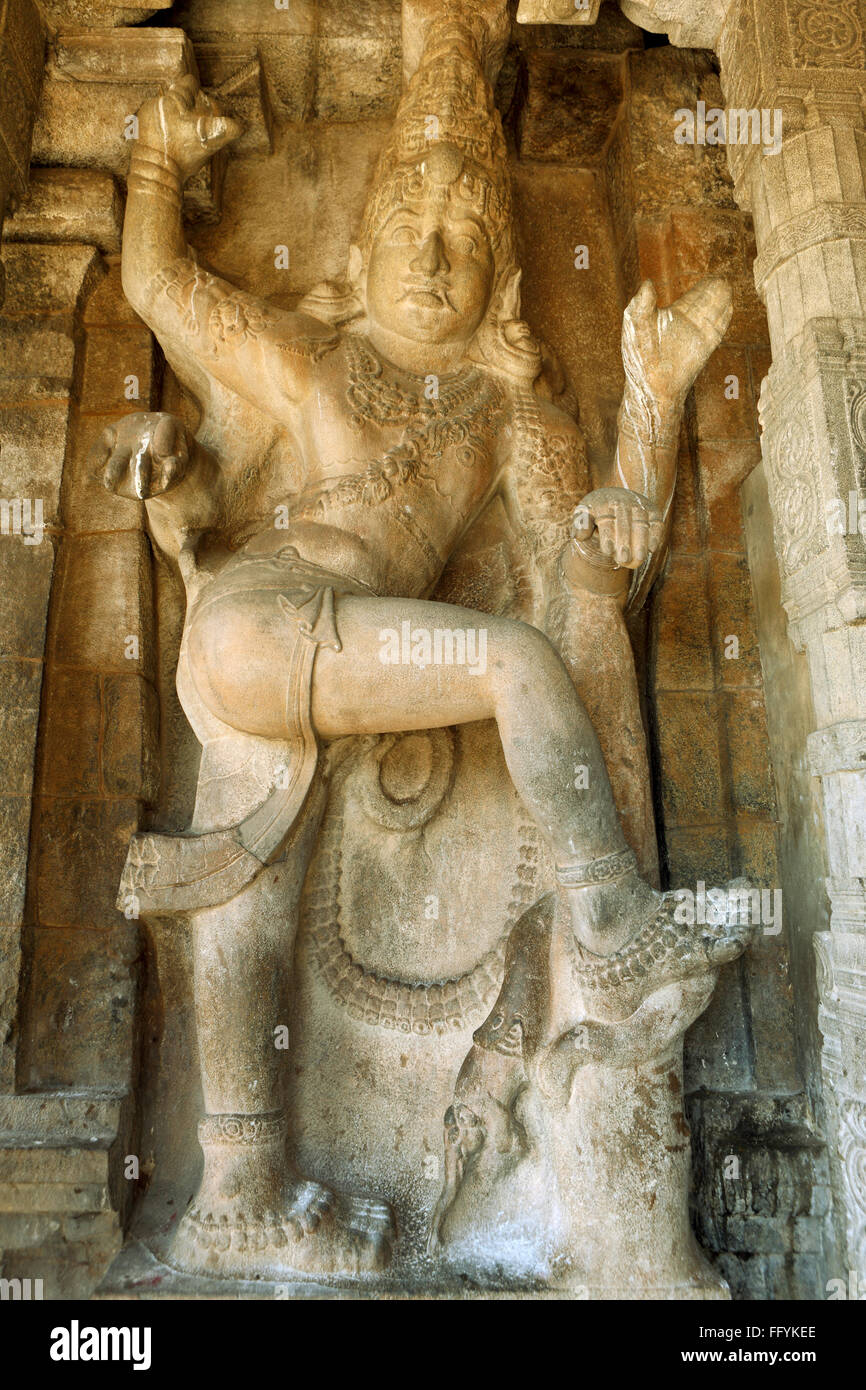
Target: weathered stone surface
pixel 118 372
pixel 718 1046
pixel 723 468
pixel 681 619
pixel 81 1020
pixel 66 1165
pixel 725 407
pixel 34 447
pixel 130 724
pixel 67 13
pixel 37 360
pixel 68 1251
pixel 24 569
pixel 82 845
pixel 14 843
pixel 643 206
pixel 762 1190
pixel 22 41
pixel 692 782
pixel 356 78
pixel 48 279
pixel 20 686
pixel 737 664
pixel 571 106
pixel 70 765
pixel 239 1073
pixel 95 80
pixel 751 775
pixel 86 504
pixel 115 633
pixel 319 58
pixel 558 11
pixel 689 23
pixel 77 205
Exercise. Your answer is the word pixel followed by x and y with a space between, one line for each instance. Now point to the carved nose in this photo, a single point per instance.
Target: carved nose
pixel 431 257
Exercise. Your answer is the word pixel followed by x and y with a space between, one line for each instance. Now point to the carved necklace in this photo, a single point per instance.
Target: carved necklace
pixel 379 393
pixel 456 412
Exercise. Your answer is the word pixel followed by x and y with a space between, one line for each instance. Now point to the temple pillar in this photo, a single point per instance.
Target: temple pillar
pixel 806 61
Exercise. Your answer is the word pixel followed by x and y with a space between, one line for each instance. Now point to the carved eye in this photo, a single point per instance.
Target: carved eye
pixel 404 235
pixel 465 244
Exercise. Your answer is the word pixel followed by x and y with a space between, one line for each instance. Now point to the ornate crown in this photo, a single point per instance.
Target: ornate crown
pixel 447 109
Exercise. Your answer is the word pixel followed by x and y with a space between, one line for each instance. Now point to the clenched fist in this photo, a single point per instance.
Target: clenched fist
pixel 142 455
pixel 185 125
pixel 629 528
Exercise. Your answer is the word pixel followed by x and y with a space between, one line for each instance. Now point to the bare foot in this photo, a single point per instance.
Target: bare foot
pixel 252 1218
pixel 303 1236
pixel 668 947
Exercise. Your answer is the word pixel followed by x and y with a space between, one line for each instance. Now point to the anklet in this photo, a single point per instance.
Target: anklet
pixel 242 1129
pixel 603 870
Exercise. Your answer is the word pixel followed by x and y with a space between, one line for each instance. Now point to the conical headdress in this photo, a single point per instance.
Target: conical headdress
pixel 447 127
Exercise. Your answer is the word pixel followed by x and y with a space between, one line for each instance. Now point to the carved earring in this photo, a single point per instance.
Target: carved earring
pixel 339 303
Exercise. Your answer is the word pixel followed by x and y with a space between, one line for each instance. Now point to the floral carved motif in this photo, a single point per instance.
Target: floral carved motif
pixel 826 35
pixel 852 1149
pixel 798 508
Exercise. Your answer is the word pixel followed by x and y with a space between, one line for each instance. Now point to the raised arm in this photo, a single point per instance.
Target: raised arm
pixel 663 351
pixel 202 322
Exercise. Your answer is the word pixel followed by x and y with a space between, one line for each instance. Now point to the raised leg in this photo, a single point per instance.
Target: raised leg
pixel 550 746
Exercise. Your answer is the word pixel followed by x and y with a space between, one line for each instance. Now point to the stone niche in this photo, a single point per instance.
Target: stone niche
pixel 424 860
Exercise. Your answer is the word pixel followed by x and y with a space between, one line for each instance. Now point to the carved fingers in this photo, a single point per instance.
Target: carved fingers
pixel 665 349
pixel 142 455
pixel 186 125
pixel 628 527
pixel 708 306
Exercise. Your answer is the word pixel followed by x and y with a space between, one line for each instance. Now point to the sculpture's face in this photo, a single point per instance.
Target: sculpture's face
pixel 430 273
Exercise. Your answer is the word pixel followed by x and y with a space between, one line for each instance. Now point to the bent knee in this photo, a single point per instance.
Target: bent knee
pixel 238 660
pixel 526 659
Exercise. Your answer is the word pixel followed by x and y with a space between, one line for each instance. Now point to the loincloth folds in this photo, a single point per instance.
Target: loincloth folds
pixel 166 874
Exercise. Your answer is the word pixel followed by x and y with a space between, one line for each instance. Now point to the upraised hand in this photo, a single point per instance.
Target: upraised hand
pixel 664 350
pixel 185 126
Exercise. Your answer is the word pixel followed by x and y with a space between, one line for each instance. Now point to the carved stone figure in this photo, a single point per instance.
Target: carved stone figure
pixel 411 404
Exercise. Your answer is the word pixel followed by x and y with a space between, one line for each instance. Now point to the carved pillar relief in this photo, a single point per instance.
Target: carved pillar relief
pixel 802 63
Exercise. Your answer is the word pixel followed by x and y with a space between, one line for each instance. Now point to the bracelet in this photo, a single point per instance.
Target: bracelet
pixel 159 175
pixel 601 574
pixel 604 870
pixel 157 158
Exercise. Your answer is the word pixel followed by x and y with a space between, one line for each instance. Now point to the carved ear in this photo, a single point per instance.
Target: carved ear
pixel 355 269
pixel 510 297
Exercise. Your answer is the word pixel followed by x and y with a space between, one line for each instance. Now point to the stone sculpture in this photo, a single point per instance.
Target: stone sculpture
pixel 416 398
